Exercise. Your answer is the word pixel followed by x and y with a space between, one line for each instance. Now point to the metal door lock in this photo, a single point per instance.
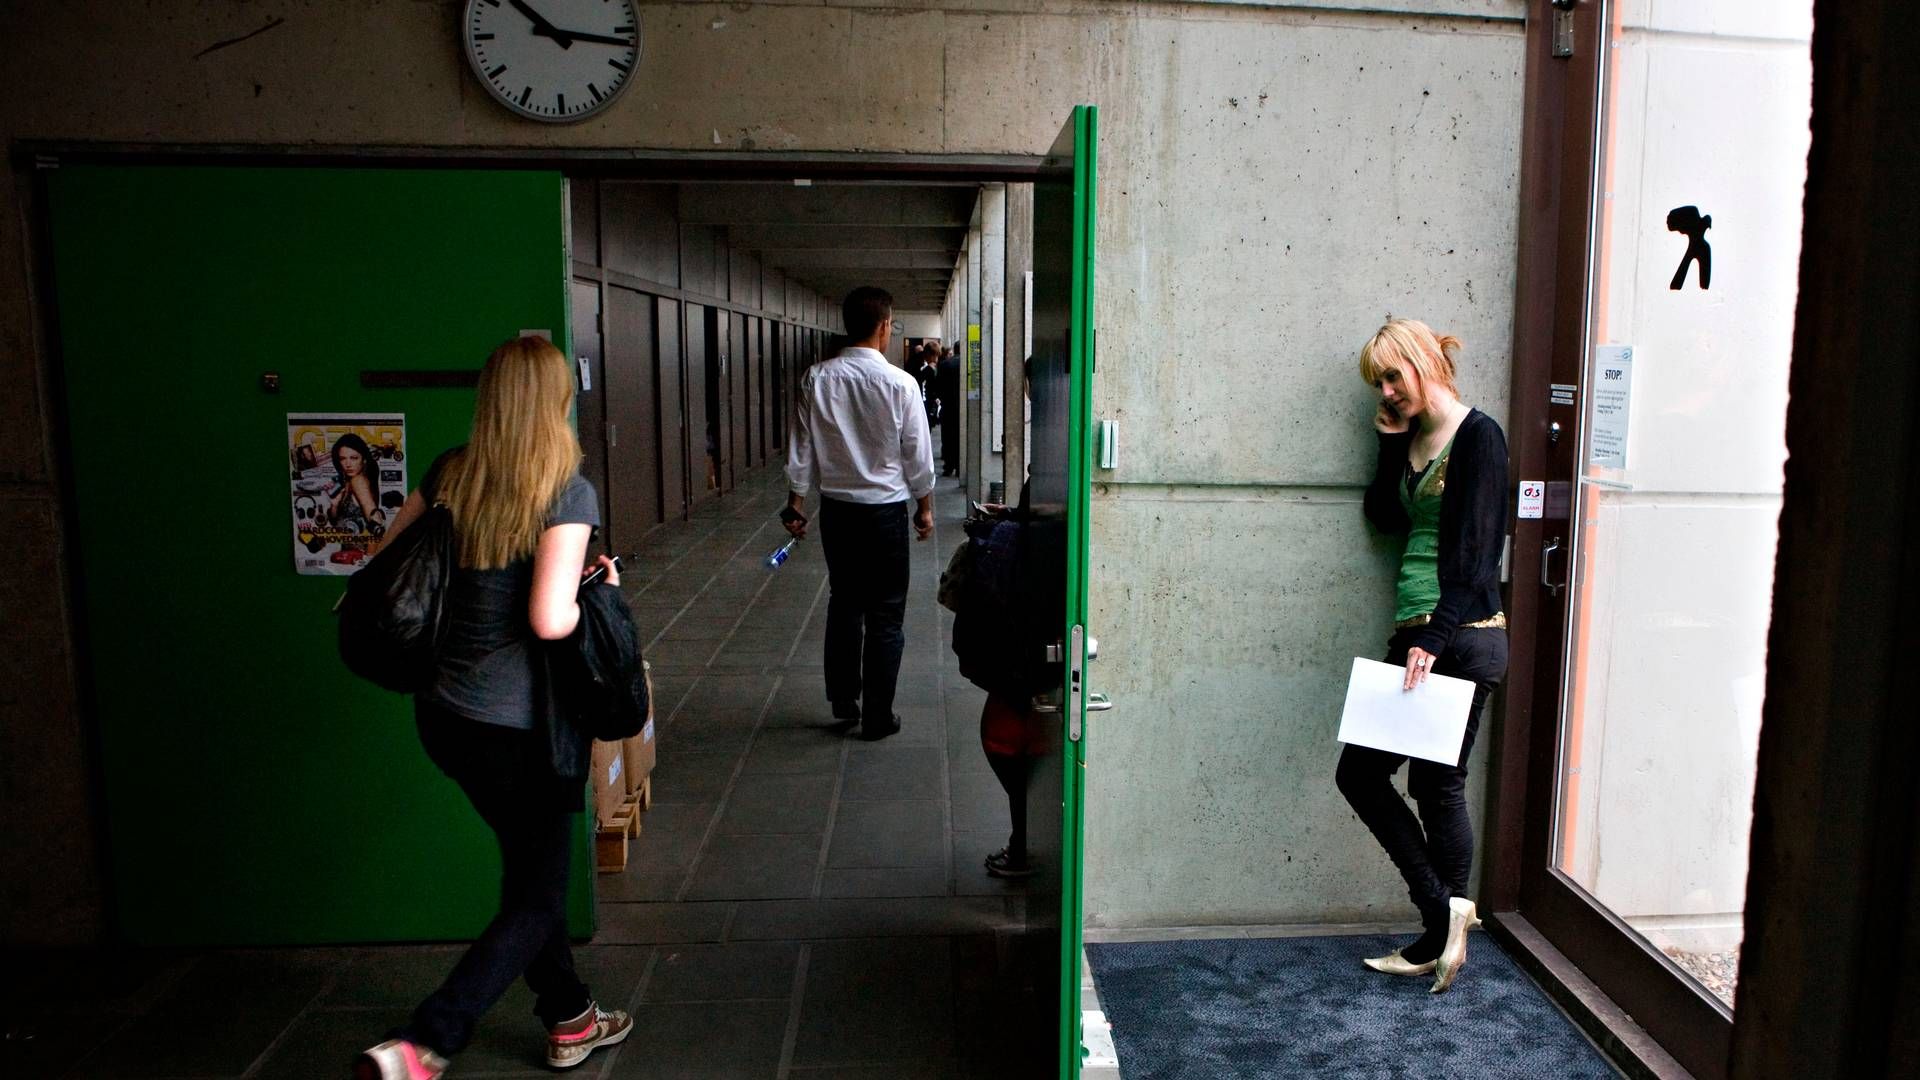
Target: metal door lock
pixel 1562 28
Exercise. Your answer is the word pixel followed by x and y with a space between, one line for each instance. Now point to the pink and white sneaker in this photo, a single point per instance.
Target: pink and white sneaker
pixel 398 1059
pixel 569 1044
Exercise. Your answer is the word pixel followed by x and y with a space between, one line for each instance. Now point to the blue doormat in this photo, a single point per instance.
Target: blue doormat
pixel 1289 1007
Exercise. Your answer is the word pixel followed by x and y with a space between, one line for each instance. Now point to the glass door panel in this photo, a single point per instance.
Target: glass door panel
pixel 1696 241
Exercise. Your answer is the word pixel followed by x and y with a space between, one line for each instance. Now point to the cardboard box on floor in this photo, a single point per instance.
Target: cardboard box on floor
pixel 640 750
pixel 609 770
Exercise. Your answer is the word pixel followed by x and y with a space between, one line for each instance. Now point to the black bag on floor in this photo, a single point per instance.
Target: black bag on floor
pixel 395 606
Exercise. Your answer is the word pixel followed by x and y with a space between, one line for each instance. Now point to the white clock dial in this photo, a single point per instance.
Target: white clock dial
pixel 553 60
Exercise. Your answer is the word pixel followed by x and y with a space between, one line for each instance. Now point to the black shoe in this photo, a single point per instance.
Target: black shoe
pixel 871 734
pixel 846 710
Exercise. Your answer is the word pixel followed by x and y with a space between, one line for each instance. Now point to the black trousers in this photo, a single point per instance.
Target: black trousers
pixel 949 434
pixel 867 576
pixel 506 775
pixel 1435 863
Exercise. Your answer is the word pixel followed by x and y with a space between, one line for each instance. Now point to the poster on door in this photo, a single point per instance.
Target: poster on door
pixel 349 479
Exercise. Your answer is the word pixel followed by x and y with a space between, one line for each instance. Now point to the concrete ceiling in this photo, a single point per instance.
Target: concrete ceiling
pixel 834 237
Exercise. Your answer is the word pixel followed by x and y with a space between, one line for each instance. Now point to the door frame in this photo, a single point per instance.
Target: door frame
pixel 1633 999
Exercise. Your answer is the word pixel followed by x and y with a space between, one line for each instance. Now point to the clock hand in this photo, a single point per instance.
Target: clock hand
pixel 597 39
pixel 543 28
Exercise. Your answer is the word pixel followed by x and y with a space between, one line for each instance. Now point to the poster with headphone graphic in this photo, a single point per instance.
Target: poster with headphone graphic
pixel 349 479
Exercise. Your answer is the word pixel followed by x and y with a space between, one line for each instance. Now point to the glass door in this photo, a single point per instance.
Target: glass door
pixel 1664 566
pixel 1061 386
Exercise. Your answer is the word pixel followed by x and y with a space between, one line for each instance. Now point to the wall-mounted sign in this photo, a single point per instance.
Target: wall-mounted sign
pixel 349 478
pixel 1533 499
pixel 1612 399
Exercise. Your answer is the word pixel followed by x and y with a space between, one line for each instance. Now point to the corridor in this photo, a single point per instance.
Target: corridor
pixel 799 905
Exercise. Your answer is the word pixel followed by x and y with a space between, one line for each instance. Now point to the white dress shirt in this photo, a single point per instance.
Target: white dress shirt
pixel 860 432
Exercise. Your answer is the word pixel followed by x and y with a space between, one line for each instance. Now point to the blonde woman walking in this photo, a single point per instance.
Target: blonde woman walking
pixel 522 518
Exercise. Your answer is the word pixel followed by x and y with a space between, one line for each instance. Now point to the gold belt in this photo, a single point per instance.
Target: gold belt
pixel 1496 621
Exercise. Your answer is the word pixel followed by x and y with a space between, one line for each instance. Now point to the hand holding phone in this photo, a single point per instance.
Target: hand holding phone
pixel 599 572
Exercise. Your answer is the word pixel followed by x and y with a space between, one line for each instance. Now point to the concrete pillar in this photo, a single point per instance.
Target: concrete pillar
pixel 993 295
pixel 1013 390
pixel 974 370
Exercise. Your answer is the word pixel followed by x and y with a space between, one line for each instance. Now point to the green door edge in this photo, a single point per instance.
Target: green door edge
pixel 1079 504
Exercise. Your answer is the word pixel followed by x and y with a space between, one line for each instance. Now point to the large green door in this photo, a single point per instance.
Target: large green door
pixel 1061 384
pixel 256 793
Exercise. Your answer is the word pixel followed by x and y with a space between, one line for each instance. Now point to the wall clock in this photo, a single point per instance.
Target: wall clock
pixel 552 60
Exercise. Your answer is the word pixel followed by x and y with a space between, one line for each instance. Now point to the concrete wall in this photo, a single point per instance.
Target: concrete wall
pixel 1678 547
pixel 1274 180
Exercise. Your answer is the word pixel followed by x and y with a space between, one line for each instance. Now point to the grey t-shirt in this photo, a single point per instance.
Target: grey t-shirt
pixel 487 658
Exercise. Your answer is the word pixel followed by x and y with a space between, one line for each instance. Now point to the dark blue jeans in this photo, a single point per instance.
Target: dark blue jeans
pixel 506 775
pixel 867 578
pixel 1435 863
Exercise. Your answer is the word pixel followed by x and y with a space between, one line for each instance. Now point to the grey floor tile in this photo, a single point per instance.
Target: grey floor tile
pixel 778 803
pixel 913 881
pixel 670 836
pixel 756 868
pixel 700 733
pixel 795 750
pixel 179 1042
pixel 888 834
pixel 703 1041
pixel 636 885
pixel 691 776
pixel 979 802
pixel 877 1001
pixel 753 970
pixel 661 924
pixel 791 920
pixel 879 773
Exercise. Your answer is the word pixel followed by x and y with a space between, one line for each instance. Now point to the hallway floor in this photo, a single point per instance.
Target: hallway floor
pixel 800 904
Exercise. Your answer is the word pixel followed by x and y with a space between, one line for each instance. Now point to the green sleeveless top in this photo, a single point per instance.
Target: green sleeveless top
pixel 1417 590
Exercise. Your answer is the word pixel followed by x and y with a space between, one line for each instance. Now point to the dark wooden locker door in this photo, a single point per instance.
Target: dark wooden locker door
pixel 756 404
pixel 673 411
pixel 725 328
pixel 702 479
pixel 737 460
pixel 777 378
pixel 633 465
pixel 590 400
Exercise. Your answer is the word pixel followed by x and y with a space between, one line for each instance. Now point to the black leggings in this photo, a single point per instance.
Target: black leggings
pixel 1435 863
pixel 506 774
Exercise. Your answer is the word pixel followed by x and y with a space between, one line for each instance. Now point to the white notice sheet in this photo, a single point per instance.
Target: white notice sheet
pixel 1426 722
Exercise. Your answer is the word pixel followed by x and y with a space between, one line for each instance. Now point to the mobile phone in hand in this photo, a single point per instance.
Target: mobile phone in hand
pixel 593 576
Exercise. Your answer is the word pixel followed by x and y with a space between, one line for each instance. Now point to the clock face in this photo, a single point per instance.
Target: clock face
pixel 553 60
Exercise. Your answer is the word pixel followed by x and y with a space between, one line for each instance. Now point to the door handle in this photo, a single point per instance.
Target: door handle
pixel 1546 568
pixel 1098 703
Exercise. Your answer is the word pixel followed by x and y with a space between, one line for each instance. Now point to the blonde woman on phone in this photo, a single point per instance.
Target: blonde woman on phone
pixel 1441 483
pixel 522 519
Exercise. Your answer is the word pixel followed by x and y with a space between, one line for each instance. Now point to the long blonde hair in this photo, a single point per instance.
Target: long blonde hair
pixel 520 457
pixel 1412 344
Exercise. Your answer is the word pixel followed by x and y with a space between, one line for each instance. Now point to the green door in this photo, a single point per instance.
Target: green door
pixel 256 793
pixel 1061 384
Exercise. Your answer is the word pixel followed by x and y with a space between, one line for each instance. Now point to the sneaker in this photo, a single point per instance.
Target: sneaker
pixel 398 1059
pixel 1003 864
pixel 570 1043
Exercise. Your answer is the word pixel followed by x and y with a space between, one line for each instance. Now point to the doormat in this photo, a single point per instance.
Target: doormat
pixel 1303 1006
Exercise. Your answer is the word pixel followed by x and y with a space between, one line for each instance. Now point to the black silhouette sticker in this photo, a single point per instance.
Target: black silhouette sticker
pixel 1689 220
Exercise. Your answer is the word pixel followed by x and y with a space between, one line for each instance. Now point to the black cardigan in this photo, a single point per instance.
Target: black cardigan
pixel 1473 519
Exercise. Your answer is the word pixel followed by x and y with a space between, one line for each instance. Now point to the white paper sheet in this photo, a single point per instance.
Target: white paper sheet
pixel 1426 722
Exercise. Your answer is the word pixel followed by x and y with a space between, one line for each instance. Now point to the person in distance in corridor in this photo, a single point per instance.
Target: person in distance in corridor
pixel 946 384
pixel 522 519
pixel 860 438
pixel 1441 482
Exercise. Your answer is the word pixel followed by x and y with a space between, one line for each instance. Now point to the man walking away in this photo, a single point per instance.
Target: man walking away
pixel 860 437
pixel 947 384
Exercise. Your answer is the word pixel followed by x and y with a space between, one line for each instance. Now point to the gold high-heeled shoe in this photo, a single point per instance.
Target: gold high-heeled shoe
pixel 1461 917
pixel 1397 965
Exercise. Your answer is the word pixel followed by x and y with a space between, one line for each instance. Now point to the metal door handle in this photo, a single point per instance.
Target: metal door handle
pixel 1098 703
pixel 1546 568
